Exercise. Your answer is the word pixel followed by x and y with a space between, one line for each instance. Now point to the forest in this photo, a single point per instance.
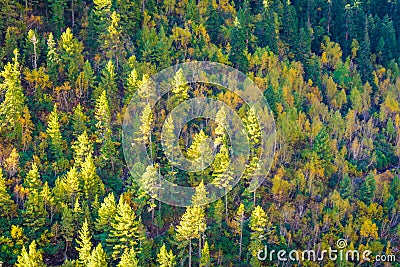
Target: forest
pixel 329 71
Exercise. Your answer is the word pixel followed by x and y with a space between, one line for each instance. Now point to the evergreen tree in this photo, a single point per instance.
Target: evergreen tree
pixel 82 149
pixel 192 224
pixel 205 260
pixel 238 46
pixel 32 180
pixel 179 89
pixel 126 232
pixel 54 132
pixel 85 245
pixel 128 259
pixel 367 189
pixel 12 107
pixel 165 258
pixel 57 15
pixel 79 120
pixel 98 257
pixel 7 205
pixel 109 85
pixel 346 187
pixel 33 258
pixel 91 183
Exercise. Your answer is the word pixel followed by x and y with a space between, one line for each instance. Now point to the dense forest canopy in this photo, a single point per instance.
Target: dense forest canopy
pixel 328 69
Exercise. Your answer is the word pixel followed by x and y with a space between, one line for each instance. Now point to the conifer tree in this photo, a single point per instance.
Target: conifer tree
pixel 11 109
pixel 222 177
pixel 32 180
pixel 54 132
pixel 192 224
pixel 92 185
pixel 85 245
pixel 240 220
pixel 79 120
pixel 205 260
pixel 346 187
pixel 109 85
pixel 67 227
pixel 126 231
pixel 180 89
pixel 70 56
pixel 128 259
pixel 98 257
pixel 7 205
pixel 106 214
pixel 35 215
pixel 103 116
pixel 367 189
pixel 31 258
pixel 200 152
pixel 165 258
pixel 82 148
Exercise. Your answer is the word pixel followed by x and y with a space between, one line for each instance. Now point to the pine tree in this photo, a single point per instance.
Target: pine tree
pixel 11 109
pixel 150 184
pixel 32 180
pixel 79 120
pixel 200 196
pixel 103 116
pixel 367 189
pixel 92 185
pixel 54 132
pixel 85 245
pixel 205 260
pixel 131 86
pixel 346 187
pixel 33 258
pixel 179 89
pixel 7 205
pixel 70 56
pixel 109 85
pixel 98 257
pixel 52 58
pixel 106 214
pixel 126 232
pixel 259 224
pixel 128 259
pixel 165 258
pixel 238 46
pixel 168 142
pixel 240 220
pixel 82 149
pixel 67 227
pixel 57 15
pixel 222 177
pixel 200 152
pixel 112 43
pixel 35 215
pixel 191 226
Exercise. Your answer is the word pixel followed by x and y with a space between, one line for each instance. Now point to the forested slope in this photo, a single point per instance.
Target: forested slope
pixel 328 69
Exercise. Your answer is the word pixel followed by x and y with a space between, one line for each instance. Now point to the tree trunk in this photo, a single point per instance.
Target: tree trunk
pixel 241 238
pixel 226 205
pixel 190 253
